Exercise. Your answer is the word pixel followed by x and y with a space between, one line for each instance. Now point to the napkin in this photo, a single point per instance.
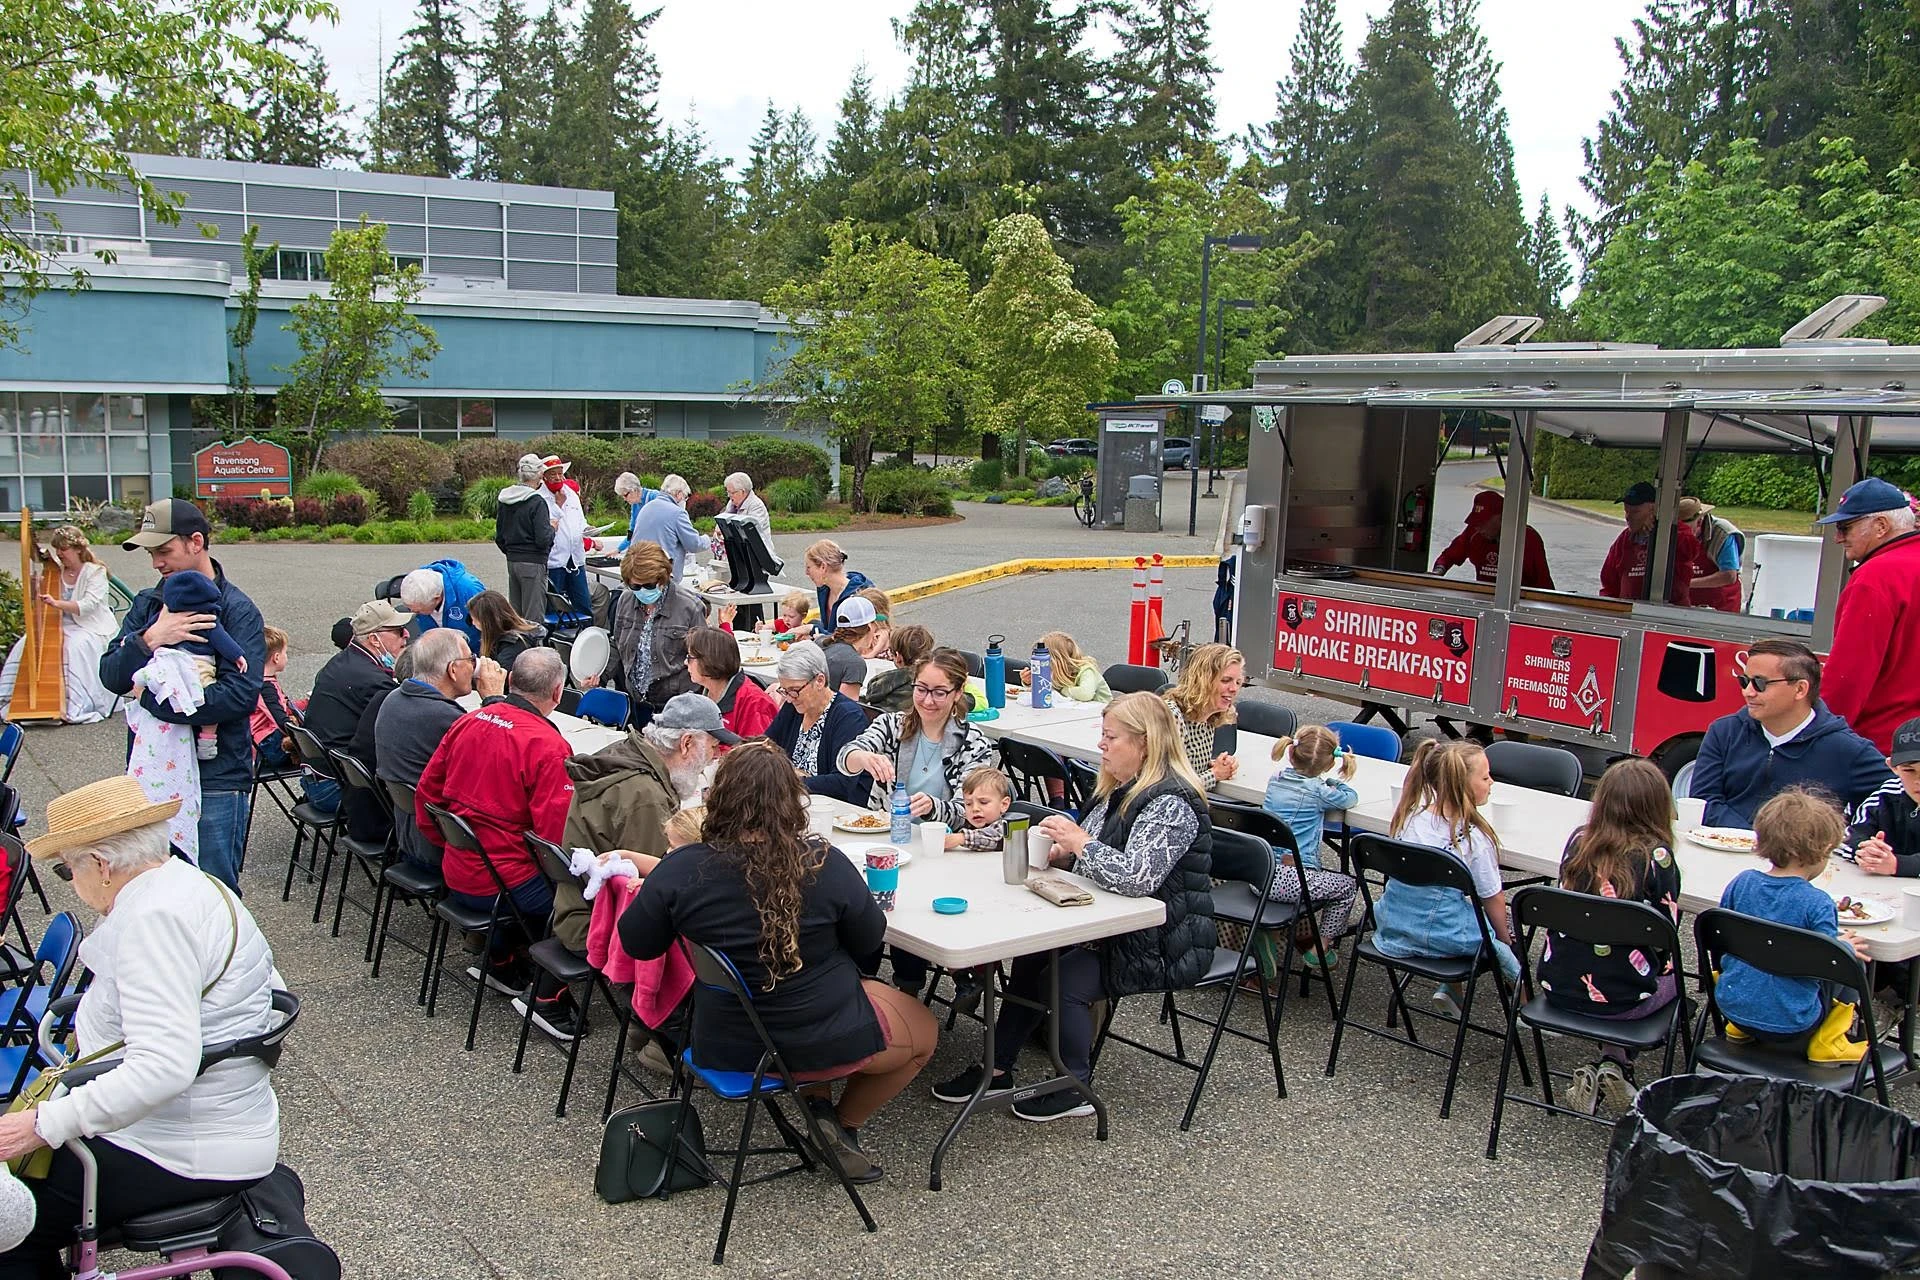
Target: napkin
pixel 1060 891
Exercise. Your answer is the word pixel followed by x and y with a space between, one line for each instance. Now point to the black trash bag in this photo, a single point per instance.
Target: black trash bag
pixel 1729 1177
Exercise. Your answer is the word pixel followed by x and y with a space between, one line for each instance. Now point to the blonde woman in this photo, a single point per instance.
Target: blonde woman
pixel 826 567
pixel 86 625
pixel 1202 702
pixel 1147 835
pixel 1075 674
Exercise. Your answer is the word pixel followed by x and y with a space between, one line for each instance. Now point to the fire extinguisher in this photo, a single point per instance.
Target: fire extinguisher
pixel 1414 511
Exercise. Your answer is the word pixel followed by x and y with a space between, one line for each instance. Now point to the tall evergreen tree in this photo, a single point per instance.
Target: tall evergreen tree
pixel 605 127
pixel 309 130
pixel 547 59
pixel 1493 274
pixel 1302 147
pixel 420 129
pixel 852 153
pixel 1547 267
pixel 678 249
pixel 777 233
pixel 503 80
pixel 1162 79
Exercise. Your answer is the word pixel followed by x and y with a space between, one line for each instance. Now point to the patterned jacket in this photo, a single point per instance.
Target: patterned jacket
pixel 962 750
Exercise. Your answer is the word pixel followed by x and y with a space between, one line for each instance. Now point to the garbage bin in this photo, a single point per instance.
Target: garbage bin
pixel 1143 504
pixel 1729 1177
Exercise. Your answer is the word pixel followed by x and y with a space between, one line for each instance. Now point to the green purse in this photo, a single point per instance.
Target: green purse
pixel 38 1163
pixel 634 1162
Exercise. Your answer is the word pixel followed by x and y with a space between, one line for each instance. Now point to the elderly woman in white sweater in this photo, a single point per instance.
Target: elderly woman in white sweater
pixel 178 963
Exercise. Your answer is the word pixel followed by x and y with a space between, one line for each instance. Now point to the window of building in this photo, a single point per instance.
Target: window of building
pixel 569 416
pixel 476 418
pixel 439 419
pixel 84 447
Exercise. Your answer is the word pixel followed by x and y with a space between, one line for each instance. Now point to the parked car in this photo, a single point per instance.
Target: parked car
pixel 1176 454
pixel 1075 448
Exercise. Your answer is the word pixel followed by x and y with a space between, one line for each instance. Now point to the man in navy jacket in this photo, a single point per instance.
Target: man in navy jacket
pixel 1786 737
pixel 175 535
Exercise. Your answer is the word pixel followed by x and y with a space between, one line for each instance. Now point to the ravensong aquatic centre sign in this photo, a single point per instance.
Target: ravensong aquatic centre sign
pixel 247 468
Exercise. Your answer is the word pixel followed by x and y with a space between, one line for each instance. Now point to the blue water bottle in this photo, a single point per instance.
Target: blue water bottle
pixel 996 672
pixel 902 833
pixel 1040 671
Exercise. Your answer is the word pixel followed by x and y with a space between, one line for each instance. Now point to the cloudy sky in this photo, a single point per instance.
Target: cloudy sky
pixel 721 61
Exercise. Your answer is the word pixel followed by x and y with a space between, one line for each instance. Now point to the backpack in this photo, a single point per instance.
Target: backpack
pixel 273 1224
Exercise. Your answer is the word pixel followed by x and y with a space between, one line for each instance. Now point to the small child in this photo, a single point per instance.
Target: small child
pixel 685 825
pixel 792 611
pixel 1439 806
pixel 190 592
pixel 1624 851
pixel 1301 794
pixel 1075 674
pixel 987 795
pixel 1885 836
pixel 275 711
pixel 1795 832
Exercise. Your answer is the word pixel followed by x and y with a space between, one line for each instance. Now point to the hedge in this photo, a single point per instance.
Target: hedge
pixel 1569 469
pixel 473 459
pixel 393 466
pixel 770 458
pixel 908 491
pixel 595 462
pixel 695 461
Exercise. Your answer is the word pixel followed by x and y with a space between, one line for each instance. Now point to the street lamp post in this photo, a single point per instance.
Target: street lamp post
pixel 1219 377
pixel 1232 244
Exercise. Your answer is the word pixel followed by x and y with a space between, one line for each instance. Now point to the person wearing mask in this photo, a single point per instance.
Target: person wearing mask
pixel 649 622
pixel 350 682
pixel 744 503
pixel 412 720
pixel 1625 575
pixel 176 537
pixel 567 557
pixel 1784 737
pixel 440 595
pixel 503 769
pixel 523 530
pixel 1716 581
pixel 1873 669
pixel 667 524
pixel 1479 545
pixel 627 488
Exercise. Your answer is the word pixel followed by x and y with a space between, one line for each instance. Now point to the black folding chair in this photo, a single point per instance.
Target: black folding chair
pixel 1785 952
pixel 278 786
pixel 1029 768
pixel 1257 715
pixel 308 819
pixel 1245 865
pixel 1256 821
pixel 372 856
pixel 457 834
pixel 1536 766
pixel 716 978
pixel 1588 918
pixel 1131 677
pixel 1418 866
pixel 406 880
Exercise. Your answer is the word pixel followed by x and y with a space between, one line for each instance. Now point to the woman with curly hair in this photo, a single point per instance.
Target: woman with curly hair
pixel 86 626
pixel 1202 702
pixel 792 914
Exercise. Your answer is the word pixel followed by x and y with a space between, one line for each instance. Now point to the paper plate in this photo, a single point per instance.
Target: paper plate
pixel 1870 911
pixel 1724 839
pixel 591 650
pixel 841 824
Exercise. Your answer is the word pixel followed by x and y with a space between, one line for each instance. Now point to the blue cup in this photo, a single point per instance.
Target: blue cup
pixel 883 880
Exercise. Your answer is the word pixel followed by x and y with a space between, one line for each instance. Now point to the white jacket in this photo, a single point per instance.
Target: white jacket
pixel 90 593
pixel 164 941
pixel 570 539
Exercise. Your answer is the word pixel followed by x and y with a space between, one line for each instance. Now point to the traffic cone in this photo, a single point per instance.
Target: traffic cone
pixel 1156 626
pixel 1137 618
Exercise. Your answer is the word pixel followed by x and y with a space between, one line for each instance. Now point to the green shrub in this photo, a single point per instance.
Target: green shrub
pixel 595 461
pixel 350 508
pixel 325 486
pixel 770 458
pixel 987 474
pixel 908 491
pixel 479 498
pixel 367 533
pixel 13 620
pixel 337 531
pixel 419 505
pixel 393 466
pixel 473 459
pixel 792 496
pixel 694 460
pixel 1759 480
pixel 1065 468
pixel 395 531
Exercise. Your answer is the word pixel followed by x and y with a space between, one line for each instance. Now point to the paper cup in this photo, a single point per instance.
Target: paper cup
pixel 933 839
pixel 1393 793
pixel 1039 850
pixel 1910 907
pixel 1693 813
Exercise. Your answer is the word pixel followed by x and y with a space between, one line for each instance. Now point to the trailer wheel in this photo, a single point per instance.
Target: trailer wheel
pixel 1676 756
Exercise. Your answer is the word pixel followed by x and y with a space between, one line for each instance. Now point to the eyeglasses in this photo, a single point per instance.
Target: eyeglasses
pixel 792 690
pixel 465 657
pixel 1760 684
pixel 933 693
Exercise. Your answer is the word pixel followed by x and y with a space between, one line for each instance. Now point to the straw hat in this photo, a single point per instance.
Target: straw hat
pixel 99 809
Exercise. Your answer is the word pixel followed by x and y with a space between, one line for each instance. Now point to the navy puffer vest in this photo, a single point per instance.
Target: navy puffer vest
pixel 1174 954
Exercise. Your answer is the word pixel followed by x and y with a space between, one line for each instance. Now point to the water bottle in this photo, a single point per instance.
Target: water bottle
pixel 902 833
pixel 996 672
pixel 1040 671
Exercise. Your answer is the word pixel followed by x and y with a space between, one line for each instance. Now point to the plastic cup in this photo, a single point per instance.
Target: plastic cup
pixel 883 874
pixel 933 839
pixel 1693 813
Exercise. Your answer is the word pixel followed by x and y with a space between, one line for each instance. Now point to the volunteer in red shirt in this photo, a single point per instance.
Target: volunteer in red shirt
pixel 1624 574
pixel 1873 669
pixel 503 768
pixel 1716 580
pixel 1479 545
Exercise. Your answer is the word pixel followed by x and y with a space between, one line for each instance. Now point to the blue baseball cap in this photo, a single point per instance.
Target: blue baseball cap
pixel 1867 497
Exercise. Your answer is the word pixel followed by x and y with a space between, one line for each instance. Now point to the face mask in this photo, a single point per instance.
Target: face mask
pixel 386 660
pixel 554 485
pixel 647 595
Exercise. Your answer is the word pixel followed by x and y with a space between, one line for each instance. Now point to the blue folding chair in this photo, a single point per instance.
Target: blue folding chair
pixel 54 964
pixel 716 978
pixel 609 707
pixel 1374 741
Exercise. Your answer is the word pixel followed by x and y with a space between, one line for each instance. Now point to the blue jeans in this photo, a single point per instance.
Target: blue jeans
pixel 223 834
pixel 572 583
pixel 534 897
pixel 1432 920
pixel 322 793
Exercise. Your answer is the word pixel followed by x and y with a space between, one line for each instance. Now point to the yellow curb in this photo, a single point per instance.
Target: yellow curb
pixel 1014 568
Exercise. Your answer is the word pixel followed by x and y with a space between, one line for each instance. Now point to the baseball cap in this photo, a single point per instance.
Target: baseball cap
pixel 856 611
pixel 1486 504
pixel 1691 509
pixel 167 519
pixel 1906 743
pixel 695 711
pixel 379 615
pixel 1867 497
pixel 1640 494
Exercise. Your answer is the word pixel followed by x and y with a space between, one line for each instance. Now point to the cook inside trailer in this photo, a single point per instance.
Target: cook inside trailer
pixel 1340 491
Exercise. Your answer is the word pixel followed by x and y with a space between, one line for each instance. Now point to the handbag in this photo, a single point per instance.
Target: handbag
pixel 38 1162
pixel 273 1224
pixel 634 1156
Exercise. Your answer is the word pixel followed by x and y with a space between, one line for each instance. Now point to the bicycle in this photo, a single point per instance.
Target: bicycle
pixel 1083 508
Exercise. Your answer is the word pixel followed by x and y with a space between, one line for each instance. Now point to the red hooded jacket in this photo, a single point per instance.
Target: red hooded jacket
pixel 503 769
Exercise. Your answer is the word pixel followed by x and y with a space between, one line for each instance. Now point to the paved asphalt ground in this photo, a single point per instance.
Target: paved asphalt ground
pixel 423 1160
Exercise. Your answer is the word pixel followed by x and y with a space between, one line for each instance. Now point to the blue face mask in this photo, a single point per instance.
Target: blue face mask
pixel 647 595
pixel 386 660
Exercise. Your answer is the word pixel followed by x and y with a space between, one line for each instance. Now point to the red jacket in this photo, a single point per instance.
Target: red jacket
pixel 503 769
pixel 1480 547
pixel 1872 674
pixel 1624 575
pixel 747 709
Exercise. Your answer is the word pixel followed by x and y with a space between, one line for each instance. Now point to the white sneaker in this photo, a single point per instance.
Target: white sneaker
pixel 1444 1003
pixel 473 973
pixel 1616 1092
pixel 1583 1089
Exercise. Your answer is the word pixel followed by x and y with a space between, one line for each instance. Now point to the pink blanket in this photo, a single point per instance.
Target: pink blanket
pixel 659 985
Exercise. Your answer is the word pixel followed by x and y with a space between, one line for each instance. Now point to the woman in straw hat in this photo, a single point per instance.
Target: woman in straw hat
pixel 178 963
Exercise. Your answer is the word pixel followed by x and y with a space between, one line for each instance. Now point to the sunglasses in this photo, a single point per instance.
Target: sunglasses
pixel 1760 684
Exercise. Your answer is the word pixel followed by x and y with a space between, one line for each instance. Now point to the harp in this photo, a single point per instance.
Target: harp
pixel 39 691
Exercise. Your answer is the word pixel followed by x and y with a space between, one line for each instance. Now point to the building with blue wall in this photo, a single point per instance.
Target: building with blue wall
pixel 95 404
